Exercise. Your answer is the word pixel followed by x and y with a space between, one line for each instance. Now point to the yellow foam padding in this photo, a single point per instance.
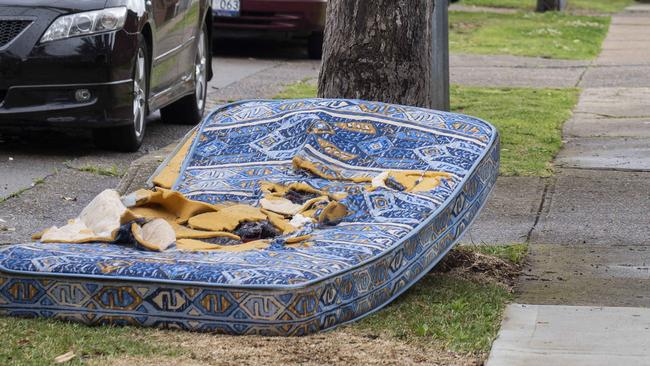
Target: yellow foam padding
pixel 413 181
pixel 297 239
pixel 279 221
pixel 313 203
pixel 99 221
pixel 173 202
pixel 333 213
pixel 156 235
pixel 337 196
pixel 169 174
pixel 183 232
pixel 280 205
pixel 226 219
pixel 418 181
pixel 278 190
pixel 325 172
pixel 38 235
pixel 128 216
pixel 152 212
pixel 309 213
pixel 75 232
pixel 198 245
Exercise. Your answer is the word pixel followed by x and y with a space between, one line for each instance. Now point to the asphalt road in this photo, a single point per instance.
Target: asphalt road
pixel 28 157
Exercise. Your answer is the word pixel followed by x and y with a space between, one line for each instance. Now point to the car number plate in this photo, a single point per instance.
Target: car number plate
pixel 227 8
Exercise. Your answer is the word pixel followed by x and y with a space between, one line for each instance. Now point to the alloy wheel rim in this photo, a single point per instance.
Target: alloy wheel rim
pixel 139 97
pixel 200 73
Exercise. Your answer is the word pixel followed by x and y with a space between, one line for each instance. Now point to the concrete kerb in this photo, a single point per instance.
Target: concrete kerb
pixel 142 169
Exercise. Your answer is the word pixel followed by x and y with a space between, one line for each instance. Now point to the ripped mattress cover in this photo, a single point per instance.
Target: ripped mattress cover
pixel 346 271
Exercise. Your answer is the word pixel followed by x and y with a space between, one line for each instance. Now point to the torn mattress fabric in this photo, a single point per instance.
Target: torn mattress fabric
pixel 273 217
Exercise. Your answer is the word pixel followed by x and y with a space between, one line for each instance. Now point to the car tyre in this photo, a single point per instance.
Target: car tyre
pixel 128 138
pixel 189 110
pixel 315 46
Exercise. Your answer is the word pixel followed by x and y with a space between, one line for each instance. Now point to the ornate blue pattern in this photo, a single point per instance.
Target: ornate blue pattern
pixel 348 271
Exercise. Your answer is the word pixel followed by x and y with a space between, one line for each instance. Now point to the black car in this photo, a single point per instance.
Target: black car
pixel 104 64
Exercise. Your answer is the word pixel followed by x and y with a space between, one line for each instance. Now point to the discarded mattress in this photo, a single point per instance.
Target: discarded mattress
pixel 391 235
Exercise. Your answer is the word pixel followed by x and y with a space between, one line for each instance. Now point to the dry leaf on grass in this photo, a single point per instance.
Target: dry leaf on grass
pixel 336 348
pixel 65 357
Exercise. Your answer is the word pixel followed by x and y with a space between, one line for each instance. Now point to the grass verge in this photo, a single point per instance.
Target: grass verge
pixel 515 253
pixel 113 171
pixel 39 342
pixel 442 310
pixel 459 306
pixel 452 314
pixel 301 89
pixel 529 120
pixel 549 35
pixel 604 6
pixel 36 182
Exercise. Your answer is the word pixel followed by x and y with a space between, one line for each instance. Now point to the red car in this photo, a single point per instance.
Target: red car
pixel 296 18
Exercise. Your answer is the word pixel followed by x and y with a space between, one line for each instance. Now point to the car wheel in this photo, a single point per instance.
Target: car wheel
pixel 189 110
pixel 315 46
pixel 128 138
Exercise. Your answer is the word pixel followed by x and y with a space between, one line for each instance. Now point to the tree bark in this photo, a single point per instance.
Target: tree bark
pixel 379 50
pixel 551 5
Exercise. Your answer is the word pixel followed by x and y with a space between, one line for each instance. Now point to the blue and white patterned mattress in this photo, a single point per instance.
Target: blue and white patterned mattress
pixel 347 272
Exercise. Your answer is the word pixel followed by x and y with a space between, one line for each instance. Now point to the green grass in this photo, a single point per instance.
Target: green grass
pixel 454 313
pixel 301 89
pixel 36 182
pixel 529 120
pixel 14 195
pixel 113 171
pixel 511 4
pixel 515 253
pixel 38 342
pixel 604 6
pixel 549 35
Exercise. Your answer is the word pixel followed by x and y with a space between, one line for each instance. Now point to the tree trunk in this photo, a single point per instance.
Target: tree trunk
pixel 379 50
pixel 551 5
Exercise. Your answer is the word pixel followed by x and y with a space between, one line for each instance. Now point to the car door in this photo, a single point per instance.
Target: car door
pixel 167 48
pixel 192 13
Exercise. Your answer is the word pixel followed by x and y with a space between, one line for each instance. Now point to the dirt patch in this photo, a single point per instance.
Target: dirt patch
pixel 483 268
pixel 464 27
pixel 341 347
pixel 344 346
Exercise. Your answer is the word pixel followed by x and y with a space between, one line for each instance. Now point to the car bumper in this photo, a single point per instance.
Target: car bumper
pixel 276 15
pixel 38 81
pixel 110 104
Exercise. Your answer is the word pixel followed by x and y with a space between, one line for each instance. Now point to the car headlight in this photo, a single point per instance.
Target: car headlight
pixel 86 23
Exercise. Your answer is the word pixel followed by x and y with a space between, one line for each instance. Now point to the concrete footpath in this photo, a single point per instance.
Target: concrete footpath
pixel 585 297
